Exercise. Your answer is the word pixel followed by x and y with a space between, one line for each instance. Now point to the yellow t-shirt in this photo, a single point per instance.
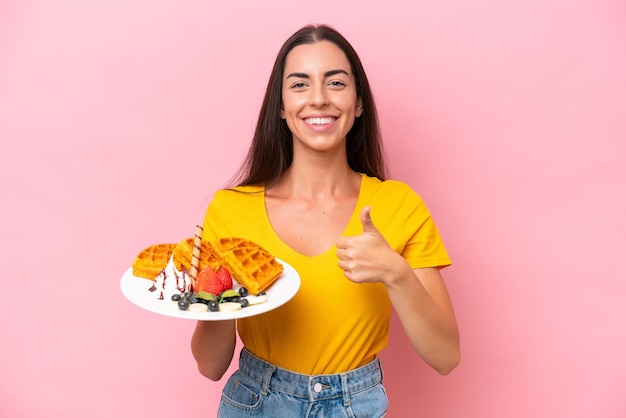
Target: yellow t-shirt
pixel 332 324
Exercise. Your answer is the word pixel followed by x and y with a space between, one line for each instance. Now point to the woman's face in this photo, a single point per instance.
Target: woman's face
pixel 319 96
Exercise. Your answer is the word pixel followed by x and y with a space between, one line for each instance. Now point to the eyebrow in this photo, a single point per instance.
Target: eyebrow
pixel 326 74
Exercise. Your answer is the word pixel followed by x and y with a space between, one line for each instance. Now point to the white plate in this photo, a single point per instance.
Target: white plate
pixel 282 290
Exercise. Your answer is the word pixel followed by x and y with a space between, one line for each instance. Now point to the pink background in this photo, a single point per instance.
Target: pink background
pixel 118 119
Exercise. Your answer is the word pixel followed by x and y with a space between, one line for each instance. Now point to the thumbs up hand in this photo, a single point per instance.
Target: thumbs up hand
pixel 366 222
pixel 367 258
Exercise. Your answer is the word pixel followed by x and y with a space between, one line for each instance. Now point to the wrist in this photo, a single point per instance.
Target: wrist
pixel 400 274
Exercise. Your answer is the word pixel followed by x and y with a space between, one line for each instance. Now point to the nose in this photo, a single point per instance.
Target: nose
pixel 319 96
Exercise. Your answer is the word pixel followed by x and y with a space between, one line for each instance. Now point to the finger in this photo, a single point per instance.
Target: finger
pixel 344 242
pixel 366 220
pixel 341 243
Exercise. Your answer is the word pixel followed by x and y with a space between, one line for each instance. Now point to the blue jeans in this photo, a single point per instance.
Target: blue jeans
pixel 260 389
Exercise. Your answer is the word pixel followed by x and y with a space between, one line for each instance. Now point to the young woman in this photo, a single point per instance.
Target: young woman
pixel 313 192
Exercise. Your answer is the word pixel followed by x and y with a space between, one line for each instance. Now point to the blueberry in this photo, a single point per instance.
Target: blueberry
pixel 183 305
pixel 243 291
pixel 244 302
pixel 261 294
pixel 176 297
pixel 213 306
pixel 193 299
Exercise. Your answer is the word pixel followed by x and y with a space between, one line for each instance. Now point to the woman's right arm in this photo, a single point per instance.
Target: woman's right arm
pixel 213 346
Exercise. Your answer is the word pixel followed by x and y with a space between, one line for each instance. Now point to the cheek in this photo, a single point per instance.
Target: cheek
pixel 291 107
pixel 349 101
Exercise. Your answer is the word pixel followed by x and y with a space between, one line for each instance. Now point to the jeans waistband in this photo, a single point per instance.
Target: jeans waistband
pixel 323 386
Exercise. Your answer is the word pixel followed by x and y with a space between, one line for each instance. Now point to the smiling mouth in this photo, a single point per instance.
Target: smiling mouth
pixel 319 121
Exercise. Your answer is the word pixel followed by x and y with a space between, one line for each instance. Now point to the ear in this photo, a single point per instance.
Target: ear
pixel 282 112
pixel 359 108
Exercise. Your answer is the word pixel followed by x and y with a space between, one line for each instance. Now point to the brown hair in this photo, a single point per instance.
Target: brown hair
pixel 271 151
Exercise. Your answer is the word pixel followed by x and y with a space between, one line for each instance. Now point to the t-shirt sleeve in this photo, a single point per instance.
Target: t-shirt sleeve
pixel 234 212
pixel 424 246
pixel 212 224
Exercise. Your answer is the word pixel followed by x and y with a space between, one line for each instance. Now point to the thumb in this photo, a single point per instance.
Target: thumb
pixel 366 220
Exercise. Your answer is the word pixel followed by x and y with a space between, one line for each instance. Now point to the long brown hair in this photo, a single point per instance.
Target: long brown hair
pixel 271 151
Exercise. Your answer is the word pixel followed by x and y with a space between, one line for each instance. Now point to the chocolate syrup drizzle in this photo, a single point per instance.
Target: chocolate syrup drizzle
pixel 181 283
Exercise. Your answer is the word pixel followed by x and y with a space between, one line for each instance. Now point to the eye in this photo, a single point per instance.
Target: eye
pixel 298 85
pixel 337 84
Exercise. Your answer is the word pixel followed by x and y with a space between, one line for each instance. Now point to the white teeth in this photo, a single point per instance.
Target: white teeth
pixel 319 121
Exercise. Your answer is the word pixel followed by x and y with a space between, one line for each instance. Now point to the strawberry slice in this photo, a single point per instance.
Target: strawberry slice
pixel 225 278
pixel 208 281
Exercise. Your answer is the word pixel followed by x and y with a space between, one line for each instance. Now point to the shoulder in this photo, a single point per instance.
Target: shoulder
pixel 237 193
pixel 394 190
pixel 228 203
pixel 232 211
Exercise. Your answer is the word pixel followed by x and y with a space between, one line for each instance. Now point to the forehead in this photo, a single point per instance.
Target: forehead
pixel 317 57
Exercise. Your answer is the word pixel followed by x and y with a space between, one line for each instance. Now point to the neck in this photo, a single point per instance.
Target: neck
pixel 316 182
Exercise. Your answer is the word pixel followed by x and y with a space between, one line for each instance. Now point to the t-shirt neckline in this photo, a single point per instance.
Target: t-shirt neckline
pixel 328 252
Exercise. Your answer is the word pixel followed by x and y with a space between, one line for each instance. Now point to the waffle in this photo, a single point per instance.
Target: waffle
pixel 152 260
pixel 229 243
pixel 251 265
pixel 183 254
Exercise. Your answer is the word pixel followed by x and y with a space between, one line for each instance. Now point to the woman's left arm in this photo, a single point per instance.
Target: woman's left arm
pixel 419 296
pixel 425 311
